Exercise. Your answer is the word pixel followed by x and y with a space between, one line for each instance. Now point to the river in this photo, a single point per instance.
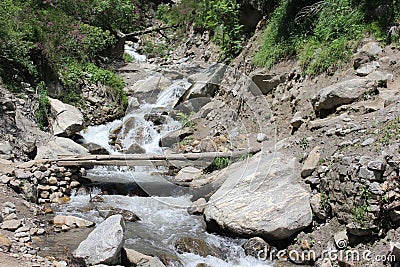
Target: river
pixel 163 213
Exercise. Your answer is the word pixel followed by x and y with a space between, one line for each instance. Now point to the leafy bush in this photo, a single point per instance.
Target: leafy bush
pixel 42 112
pixel 220 17
pixel 62 40
pixel 322 34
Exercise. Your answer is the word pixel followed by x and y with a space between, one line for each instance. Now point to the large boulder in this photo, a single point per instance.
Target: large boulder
pixel 342 93
pixel 262 197
pixel 60 146
pixel 266 82
pixel 174 137
pixel 104 244
pixel 205 84
pixel 68 119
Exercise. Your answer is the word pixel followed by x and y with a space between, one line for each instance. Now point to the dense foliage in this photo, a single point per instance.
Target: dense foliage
pixel 63 40
pixel 323 33
pixel 220 17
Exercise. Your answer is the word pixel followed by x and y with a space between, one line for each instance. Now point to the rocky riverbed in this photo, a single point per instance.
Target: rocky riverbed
pixel 325 180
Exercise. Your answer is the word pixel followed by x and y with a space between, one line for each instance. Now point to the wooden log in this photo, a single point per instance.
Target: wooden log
pixel 177 160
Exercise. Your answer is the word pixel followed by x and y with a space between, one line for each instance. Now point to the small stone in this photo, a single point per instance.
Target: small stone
pixel 15 183
pixel 297 120
pixel 375 188
pixel 43 187
pixel 45 194
pixel 5 179
pixel 38 174
pixel 311 162
pixel 377 166
pixel 74 184
pixel 5 243
pixel 368 142
pixel 9 204
pixel 197 207
pixel 261 137
pixel 21 174
pixel 11 216
pixel 40 231
pixel 52 180
pixel 22 229
pixel 11 225
pixel 21 234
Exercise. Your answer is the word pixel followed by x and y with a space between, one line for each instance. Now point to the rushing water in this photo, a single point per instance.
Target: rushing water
pixel 164 216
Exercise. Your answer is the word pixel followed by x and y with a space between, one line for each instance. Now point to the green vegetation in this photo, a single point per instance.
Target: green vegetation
pixel 360 214
pixel 218 164
pixel 42 113
pixel 323 34
pixel 184 119
pixel 304 143
pixel 64 41
pixel 390 132
pixel 220 17
pixel 324 202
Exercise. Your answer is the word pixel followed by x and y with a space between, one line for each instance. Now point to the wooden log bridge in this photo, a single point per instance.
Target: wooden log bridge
pixel 177 160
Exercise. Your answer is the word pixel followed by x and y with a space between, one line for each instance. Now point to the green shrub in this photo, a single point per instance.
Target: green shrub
pixel 218 163
pixel 220 17
pixel 321 34
pixel 42 113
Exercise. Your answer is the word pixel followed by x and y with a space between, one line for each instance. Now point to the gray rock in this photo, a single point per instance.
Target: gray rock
pixel 204 84
pixel 368 141
pixel 196 246
pixel 323 263
pixel 261 199
pixel 366 174
pixel 60 146
pixel 311 162
pixel 261 137
pixel 377 166
pixel 317 207
pixel 197 207
pixel 193 105
pixel 95 149
pixel 5 148
pixel 104 244
pixel 9 204
pixel 135 149
pixel 72 221
pixel 188 174
pixel 11 225
pixel 150 84
pixel 372 49
pixel 138 259
pixel 297 120
pixel 22 174
pixel 367 69
pixel 68 120
pixel 380 77
pixel 174 137
pixel 375 188
pixel 266 82
pixel 342 93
